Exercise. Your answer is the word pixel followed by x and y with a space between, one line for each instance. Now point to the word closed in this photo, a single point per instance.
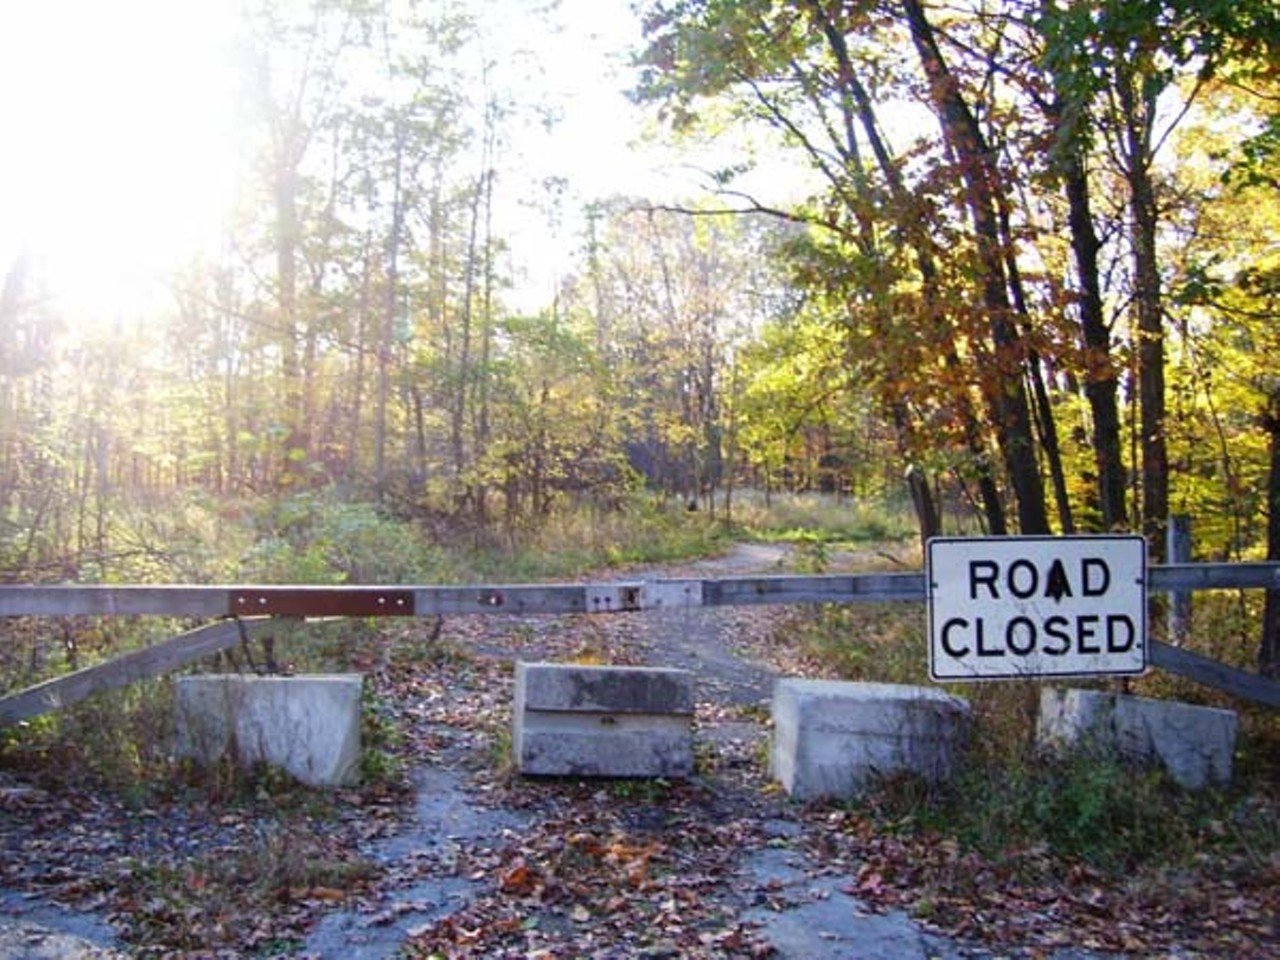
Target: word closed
pixel 1008 607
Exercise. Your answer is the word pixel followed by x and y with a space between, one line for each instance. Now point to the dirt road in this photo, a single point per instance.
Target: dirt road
pixel 724 866
pixel 486 864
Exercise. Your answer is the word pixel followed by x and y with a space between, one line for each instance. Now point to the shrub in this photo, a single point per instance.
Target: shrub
pixel 822 518
pixel 1085 807
pixel 314 537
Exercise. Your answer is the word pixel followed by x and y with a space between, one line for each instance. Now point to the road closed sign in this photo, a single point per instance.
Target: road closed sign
pixel 1027 607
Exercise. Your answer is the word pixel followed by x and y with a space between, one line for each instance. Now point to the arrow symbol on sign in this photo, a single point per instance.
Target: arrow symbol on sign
pixel 1058 586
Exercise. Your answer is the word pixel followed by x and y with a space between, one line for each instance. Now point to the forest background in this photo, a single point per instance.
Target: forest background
pixel 1033 286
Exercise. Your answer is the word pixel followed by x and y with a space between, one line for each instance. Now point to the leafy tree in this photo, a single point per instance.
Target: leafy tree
pixel 1114 65
pixel 801 70
pixel 673 293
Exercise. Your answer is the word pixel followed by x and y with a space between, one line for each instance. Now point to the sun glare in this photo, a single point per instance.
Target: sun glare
pixel 118 155
pixel 122 152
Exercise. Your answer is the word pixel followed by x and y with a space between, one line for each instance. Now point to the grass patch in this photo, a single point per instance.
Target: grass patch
pixel 870 642
pixel 117 741
pixel 821 518
pixel 574 541
pixel 1040 811
pixel 317 537
pixel 1086 808
pixel 382 739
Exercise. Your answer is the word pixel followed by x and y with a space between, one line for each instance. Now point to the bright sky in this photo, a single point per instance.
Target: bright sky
pixel 116 121
pixel 580 57
pixel 119 154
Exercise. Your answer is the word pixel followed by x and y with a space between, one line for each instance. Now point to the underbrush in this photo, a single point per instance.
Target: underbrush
pixel 1037 814
pixel 1036 811
pixel 316 537
pixel 821 518
pixel 1012 799
pixel 120 740
pixel 198 903
pixel 872 642
pixel 643 530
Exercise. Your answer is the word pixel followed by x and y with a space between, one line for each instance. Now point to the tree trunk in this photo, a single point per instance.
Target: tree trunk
pixel 1269 650
pixel 1006 393
pixel 928 520
pixel 1041 404
pixel 463 379
pixel 482 426
pixel 386 333
pixel 1100 380
pixel 859 104
pixel 356 409
pixel 1138 110
pixel 287 231
pixel 926 508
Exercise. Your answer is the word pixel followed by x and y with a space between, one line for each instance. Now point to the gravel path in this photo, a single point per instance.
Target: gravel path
pixel 774 893
pixel 489 865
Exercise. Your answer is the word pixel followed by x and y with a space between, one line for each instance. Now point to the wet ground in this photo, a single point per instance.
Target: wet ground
pixel 797 904
pixel 441 863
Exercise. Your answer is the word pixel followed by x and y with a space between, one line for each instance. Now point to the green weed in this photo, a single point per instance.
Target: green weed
pixel 870 642
pixel 575 540
pixel 641 790
pixel 1091 808
pixel 822 518
pixel 317 537
pixel 382 740
pixel 191 906
pixel 1084 807
pixel 502 756
pixel 118 741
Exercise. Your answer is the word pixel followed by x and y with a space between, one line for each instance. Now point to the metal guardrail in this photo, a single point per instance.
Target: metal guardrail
pixel 253 606
pixel 532 599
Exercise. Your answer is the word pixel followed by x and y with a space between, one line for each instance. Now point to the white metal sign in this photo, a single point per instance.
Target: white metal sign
pixel 1010 607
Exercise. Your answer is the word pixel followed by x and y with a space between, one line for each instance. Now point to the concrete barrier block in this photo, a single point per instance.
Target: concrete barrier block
pixel 832 738
pixel 308 726
pixel 1193 744
pixel 591 721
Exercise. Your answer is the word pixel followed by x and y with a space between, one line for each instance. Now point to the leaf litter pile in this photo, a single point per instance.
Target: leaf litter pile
pixel 572 868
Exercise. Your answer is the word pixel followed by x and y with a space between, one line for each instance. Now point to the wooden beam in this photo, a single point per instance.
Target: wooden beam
pixel 1211 673
pixel 321 602
pixel 151 661
pixel 501 599
pixel 814 589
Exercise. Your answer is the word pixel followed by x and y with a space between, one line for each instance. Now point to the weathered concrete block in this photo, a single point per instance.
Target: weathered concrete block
pixel 831 738
pixel 587 721
pixel 308 726
pixel 1194 744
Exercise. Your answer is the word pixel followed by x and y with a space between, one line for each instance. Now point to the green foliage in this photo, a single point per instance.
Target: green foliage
pixel 642 529
pixel 317 537
pixel 821 518
pixel 1081 808
pixel 1089 807
pixel 381 738
pixel 873 642
pixel 119 740
pixel 1096 809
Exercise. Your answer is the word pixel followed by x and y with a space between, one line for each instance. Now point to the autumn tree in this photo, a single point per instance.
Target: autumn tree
pixel 808 72
pixel 678 291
